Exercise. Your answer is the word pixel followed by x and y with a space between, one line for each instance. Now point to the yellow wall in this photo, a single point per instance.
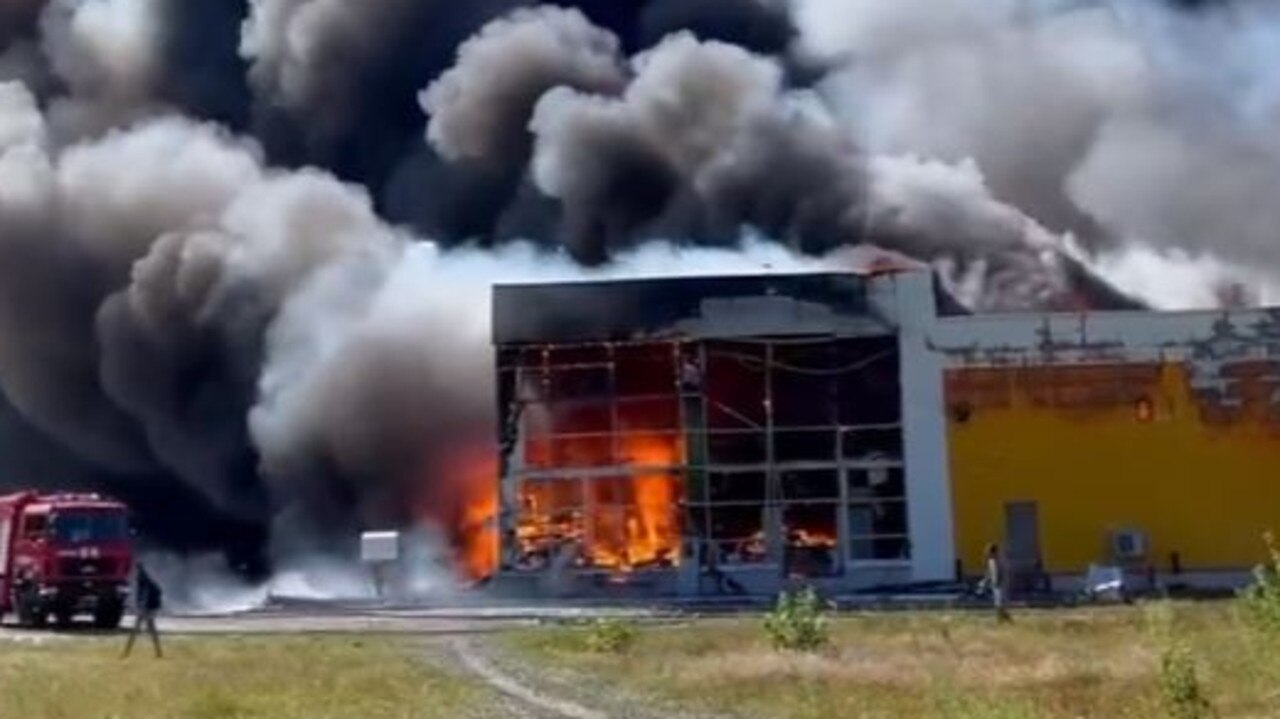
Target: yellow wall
pixel 1197 478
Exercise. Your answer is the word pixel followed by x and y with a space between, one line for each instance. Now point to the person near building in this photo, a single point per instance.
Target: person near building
pixel 995 582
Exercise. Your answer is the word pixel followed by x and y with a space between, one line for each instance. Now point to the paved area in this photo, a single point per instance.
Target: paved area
pixel 358 619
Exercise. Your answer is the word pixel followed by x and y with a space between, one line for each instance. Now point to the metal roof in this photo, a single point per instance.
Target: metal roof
pixel 678 307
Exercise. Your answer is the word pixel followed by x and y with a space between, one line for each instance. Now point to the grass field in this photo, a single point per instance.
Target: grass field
pixel 1078 663
pixel 1052 664
pixel 228 678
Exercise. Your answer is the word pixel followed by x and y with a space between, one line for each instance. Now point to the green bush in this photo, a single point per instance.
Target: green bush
pixel 1261 599
pixel 1180 687
pixel 611 636
pixel 797 623
pixel 1179 679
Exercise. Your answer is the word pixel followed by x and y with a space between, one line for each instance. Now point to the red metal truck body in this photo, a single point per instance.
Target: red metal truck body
pixel 63 555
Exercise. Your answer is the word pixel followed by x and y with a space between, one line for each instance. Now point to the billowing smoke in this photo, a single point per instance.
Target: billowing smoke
pixel 246 246
pixel 1124 123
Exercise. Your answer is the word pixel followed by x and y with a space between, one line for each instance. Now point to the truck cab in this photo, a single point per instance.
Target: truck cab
pixel 64 555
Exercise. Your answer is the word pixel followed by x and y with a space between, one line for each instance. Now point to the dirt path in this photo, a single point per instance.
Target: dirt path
pixel 545 705
pixel 551 692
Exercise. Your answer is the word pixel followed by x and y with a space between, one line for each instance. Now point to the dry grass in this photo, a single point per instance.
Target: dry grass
pixel 228 678
pixel 1087 663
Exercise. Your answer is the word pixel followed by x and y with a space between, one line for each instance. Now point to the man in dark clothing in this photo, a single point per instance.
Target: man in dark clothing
pixel 147 600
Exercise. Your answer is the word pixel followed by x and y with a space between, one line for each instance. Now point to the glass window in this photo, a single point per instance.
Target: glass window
pixel 811 540
pixel 648 414
pixel 737 448
pixel 737 535
pixel 804 445
pixel 735 385
pixel 887 482
pixel 878 531
pixel 863 549
pixel 89 526
pixel 810 484
pixel 872 443
pixel 34 526
pixel 642 370
pixel 804 380
pixel 737 487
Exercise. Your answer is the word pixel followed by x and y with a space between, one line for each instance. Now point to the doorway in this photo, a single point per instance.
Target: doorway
pixel 1022 545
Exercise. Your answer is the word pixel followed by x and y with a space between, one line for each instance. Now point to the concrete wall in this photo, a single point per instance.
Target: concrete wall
pixel 929 501
pixel 1168 424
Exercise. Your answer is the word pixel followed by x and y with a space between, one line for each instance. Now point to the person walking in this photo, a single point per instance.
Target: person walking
pixel 995 582
pixel 147 600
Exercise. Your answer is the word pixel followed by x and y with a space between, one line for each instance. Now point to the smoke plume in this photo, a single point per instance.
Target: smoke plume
pixel 246 246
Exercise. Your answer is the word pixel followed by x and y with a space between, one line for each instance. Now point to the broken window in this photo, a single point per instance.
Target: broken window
pixel 810 484
pixel 871 443
pixel 737 535
pixel 733 446
pixel 805 445
pixel 803 380
pixel 549 527
pixel 646 369
pixel 737 448
pixel 634 521
pixel 811 534
pixel 877 513
pixel 735 386
pixel 733 519
pixel 868 387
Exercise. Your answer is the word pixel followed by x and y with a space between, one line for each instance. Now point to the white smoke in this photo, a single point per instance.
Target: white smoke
pixel 1127 123
pixel 106 53
pixel 20 119
pixel 307 55
pixel 477 108
pixel 202 584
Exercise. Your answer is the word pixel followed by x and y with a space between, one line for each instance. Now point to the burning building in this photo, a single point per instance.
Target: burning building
pixel 684 433
pixel 730 434
pixel 247 248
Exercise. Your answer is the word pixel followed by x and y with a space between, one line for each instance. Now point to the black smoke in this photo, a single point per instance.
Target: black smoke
pixel 200 316
pixel 170 389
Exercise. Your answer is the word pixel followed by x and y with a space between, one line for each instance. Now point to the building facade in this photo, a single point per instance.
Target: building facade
pixel 699 436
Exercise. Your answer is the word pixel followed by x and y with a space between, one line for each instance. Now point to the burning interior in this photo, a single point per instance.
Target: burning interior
pixel 711 433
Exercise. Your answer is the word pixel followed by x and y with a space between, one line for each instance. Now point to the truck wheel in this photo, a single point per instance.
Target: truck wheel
pixel 108 616
pixel 64 618
pixel 22 611
pixel 30 613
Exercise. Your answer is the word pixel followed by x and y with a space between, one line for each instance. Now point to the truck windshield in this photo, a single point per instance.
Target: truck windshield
pixel 89 526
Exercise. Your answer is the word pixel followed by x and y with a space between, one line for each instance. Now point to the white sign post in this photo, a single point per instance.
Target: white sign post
pixel 379 550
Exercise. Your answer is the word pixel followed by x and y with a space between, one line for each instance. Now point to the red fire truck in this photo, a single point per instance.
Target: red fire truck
pixel 64 555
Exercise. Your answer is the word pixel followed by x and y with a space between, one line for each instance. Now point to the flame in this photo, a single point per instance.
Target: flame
pixel 812 539
pixel 637 521
pixel 631 520
pixel 548 518
pixel 476 539
pixel 463 497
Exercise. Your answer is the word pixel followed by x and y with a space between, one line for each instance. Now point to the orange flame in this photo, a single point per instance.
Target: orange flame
pixel 636 521
pixel 476 542
pixel 463 498
pixel 629 521
pixel 812 539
